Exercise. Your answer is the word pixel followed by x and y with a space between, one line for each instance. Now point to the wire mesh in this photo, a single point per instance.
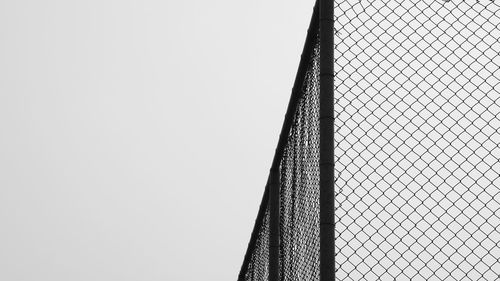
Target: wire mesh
pixel 299 193
pixel 417 140
pixel 417 148
pixel 299 228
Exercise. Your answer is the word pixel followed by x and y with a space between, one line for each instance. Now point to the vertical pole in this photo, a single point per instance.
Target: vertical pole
pixel 327 200
pixel 274 224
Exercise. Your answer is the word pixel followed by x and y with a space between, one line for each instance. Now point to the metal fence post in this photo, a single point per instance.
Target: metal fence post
pixel 327 200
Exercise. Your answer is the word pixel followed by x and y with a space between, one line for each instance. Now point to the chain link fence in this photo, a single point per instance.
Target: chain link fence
pixel 417 108
pixel 417 148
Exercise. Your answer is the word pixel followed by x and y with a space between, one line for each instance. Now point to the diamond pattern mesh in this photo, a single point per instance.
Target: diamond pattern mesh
pixel 417 140
pixel 417 148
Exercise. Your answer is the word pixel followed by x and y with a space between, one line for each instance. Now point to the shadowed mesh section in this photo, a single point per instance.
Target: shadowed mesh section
pixel 299 195
pixel 258 268
pixel 417 104
pixel 299 227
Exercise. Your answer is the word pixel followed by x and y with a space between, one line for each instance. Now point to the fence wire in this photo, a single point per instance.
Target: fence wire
pixel 417 140
pixel 417 148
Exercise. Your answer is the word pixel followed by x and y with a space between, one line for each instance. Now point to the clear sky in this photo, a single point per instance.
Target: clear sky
pixel 136 136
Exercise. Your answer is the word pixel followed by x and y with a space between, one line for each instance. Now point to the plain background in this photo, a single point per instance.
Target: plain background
pixel 136 136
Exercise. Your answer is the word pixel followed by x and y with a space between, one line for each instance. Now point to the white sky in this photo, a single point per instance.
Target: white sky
pixel 136 136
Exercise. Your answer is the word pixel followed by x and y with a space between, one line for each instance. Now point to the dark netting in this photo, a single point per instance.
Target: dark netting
pixel 417 110
pixel 258 268
pixel 299 228
pixel 299 195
